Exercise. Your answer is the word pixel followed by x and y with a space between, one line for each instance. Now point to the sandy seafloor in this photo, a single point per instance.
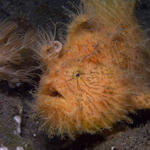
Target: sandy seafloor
pixel 16 100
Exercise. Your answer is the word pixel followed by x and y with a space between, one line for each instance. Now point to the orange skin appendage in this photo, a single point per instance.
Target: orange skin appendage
pixel 100 74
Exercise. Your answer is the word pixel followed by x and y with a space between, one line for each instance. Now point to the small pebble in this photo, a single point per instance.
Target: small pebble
pixel 18 84
pixel 18 121
pixel 19 148
pixel 3 148
pixel 113 148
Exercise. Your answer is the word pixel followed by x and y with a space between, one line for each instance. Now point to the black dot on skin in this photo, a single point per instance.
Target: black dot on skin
pixel 77 74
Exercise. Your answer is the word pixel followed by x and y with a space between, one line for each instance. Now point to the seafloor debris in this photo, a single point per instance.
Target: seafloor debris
pixel 19 148
pixel 18 121
pixel 3 148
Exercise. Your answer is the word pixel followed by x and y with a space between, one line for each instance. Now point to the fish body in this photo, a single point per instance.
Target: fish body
pixel 100 74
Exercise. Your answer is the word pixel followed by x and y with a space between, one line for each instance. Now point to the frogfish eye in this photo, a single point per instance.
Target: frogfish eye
pixel 77 74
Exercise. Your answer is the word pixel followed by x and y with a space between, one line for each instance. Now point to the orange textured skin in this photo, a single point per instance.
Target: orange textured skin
pixel 101 73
